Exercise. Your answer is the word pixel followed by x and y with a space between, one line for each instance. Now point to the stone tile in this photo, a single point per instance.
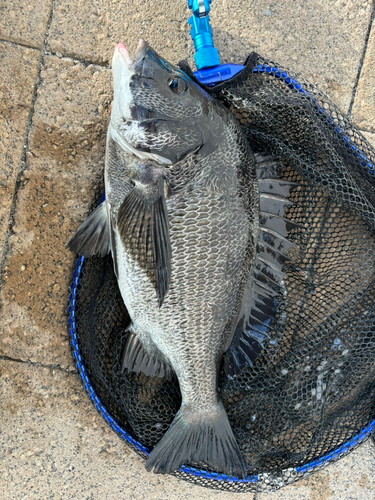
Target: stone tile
pixel 369 137
pixel 74 29
pixel 18 70
pixel 363 113
pixel 321 40
pixel 56 446
pixel 24 22
pixel 64 164
pixel 348 479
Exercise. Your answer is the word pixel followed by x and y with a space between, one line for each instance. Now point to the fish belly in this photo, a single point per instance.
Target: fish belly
pixel 209 232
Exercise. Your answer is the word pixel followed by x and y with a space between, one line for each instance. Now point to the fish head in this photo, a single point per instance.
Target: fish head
pixel 158 111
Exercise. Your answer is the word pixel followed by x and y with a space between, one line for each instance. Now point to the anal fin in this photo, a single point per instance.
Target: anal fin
pixel 137 359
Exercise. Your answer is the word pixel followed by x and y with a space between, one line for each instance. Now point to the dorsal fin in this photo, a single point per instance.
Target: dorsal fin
pixel 268 277
pixel 273 204
pixel 267 167
pixel 276 187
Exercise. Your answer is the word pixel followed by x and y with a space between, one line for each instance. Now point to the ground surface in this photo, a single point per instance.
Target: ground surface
pixel 55 96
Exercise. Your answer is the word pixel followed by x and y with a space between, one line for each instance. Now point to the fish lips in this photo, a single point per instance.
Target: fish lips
pixel 121 50
pixel 123 65
pixel 127 73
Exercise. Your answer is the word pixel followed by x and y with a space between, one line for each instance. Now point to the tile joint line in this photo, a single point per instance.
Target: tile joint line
pixel 22 163
pixel 77 59
pixel 37 364
pixel 354 93
pixel 21 44
pixel 60 56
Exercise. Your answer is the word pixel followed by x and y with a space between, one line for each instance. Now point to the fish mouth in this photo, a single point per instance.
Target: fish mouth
pixel 124 69
pixel 122 52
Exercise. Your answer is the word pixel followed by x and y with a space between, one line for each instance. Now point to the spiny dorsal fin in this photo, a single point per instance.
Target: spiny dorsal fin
pixel 268 254
pixel 143 226
pixel 271 274
pixel 277 224
pixel 274 240
pixel 260 306
pixel 268 167
pixel 276 187
pixel 273 204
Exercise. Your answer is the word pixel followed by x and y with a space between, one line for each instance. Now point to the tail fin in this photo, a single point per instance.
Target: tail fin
pixel 198 436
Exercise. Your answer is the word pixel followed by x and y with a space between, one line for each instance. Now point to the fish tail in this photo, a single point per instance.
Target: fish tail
pixel 198 436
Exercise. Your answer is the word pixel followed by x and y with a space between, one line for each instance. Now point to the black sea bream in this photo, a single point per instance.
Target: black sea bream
pixel 181 218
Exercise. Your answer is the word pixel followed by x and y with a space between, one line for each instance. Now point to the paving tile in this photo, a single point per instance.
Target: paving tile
pixel 24 22
pixel 370 138
pixel 351 478
pixel 90 30
pixel 57 446
pixel 321 40
pixel 64 164
pixel 18 70
pixel 363 113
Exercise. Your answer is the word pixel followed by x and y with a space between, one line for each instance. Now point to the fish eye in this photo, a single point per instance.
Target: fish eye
pixel 177 84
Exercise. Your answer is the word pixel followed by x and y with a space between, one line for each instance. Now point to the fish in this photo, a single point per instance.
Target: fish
pixel 181 218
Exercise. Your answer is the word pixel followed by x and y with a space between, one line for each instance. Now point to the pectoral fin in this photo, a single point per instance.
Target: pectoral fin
pixel 92 236
pixel 143 226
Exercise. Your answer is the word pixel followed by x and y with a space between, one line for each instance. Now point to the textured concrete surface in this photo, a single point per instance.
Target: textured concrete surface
pixel 64 162
pixel 331 33
pixel 321 40
pixel 75 28
pixel 370 138
pixel 364 105
pixel 53 435
pixel 55 444
pixel 24 22
pixel 18 69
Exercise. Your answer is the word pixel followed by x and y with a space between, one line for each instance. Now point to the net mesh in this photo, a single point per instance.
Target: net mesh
pixel 310 396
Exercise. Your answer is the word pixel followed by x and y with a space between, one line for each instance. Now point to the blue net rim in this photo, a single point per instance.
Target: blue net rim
pixel 143 450
pixel 313 465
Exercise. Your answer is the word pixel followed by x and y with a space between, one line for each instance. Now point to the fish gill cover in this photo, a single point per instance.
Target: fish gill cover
pixel 307 395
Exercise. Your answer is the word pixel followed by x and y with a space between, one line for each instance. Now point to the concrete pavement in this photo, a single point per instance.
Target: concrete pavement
pixel 55 97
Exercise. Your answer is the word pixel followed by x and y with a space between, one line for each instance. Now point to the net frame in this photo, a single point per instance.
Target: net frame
pixel 269 480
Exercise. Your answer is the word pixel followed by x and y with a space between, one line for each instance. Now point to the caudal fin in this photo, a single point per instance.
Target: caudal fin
pixel 198 436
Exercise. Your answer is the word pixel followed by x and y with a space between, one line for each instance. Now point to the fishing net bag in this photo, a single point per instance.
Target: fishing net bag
pixel 309 396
